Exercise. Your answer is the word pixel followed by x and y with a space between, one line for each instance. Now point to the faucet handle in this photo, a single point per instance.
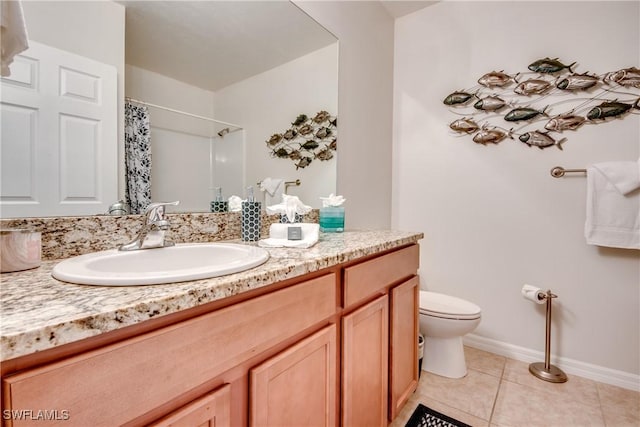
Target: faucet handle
pixel 155 211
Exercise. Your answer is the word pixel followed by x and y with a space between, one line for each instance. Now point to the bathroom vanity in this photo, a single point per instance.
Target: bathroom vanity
pixel 323 336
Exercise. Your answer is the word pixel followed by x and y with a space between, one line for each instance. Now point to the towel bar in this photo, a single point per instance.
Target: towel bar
pixel 559 171
pixel 287 184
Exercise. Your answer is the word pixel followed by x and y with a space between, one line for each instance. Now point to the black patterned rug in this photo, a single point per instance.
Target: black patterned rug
pixel 427 417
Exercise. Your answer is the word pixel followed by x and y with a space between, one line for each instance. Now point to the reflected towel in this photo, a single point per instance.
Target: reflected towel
pixel 613 205
pixel 235 204
pixel 274 189
pixel 13 33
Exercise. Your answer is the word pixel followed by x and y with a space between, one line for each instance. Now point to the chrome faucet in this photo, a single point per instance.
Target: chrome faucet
pixel 152 233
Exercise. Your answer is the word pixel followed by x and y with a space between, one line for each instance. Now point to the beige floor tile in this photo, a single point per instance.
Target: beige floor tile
pixel 520 398
pixel 576 388
pixel 473 394
pixel 522 405
pixel 483 361
pixel 620 407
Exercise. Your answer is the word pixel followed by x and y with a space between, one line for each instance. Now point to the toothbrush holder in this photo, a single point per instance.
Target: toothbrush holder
pixel 250 221
pixel 219 206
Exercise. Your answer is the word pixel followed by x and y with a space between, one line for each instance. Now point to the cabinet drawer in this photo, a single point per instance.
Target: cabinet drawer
pixel 365 279
pixel 117 383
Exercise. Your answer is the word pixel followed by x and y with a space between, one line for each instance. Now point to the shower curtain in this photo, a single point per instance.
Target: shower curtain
pixel 137 146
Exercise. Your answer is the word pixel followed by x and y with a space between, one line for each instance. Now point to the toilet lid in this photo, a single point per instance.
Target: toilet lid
pixel 442 305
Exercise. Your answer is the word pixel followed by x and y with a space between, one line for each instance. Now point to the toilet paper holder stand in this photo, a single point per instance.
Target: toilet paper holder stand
pixel 546 371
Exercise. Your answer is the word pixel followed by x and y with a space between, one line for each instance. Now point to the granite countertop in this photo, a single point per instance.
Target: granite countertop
pixel 38 312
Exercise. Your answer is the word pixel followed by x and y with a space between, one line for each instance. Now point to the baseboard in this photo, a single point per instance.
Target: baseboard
pixel 570 366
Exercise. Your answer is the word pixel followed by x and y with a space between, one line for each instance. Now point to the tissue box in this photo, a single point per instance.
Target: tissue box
pixel 332 219
pixel 19 250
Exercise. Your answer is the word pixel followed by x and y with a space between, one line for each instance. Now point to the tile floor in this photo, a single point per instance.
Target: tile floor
pixel 501 392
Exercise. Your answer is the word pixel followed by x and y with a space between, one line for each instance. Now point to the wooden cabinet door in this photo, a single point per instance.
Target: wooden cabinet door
pixel 403 332
pixel 297 387
pixel 211 410
pixel 365 344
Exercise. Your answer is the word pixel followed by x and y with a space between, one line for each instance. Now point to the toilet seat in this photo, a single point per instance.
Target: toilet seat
pixel 447 306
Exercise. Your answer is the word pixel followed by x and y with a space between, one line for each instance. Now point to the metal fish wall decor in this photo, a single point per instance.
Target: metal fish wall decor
pixel 538 105
pixel 308 139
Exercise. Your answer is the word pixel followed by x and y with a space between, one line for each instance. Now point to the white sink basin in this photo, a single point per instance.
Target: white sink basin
pixel 156 266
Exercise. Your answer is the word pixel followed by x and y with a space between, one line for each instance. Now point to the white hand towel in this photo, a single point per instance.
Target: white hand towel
pixel 278 236
pixel 235 204
pixel 613 205
pixel 13 33
pixel 273 188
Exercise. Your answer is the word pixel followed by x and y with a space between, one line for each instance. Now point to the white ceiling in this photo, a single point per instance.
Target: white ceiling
pixel 212 44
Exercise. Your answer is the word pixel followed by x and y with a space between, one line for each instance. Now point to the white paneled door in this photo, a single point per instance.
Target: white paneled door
pixel 59 138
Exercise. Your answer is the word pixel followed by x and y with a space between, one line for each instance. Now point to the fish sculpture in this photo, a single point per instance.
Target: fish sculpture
pixel 520 114
pixel 624 77
pixel 567 121
pixel 540 139
pixel 532 87
pixel 305 129
pixel 458 97
pixel 324 154
pixel 610 109
pixel 323 132
pixel 578 82
pixel 519 98
pixel 275 139
pixel 295 155
pixel 310 145
pixel 321 116
pixel 491 135
pixel 303 163
pixel 495 79
pixel 289 134
pixel 548 65
pixel 300 120
pixel 281 153
pixel 464 125
pixel 490 103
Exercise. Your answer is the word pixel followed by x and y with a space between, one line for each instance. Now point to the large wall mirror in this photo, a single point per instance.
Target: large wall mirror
pixel 240 70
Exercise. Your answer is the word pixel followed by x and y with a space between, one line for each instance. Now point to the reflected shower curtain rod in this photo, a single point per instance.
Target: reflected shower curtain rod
pixel 137 101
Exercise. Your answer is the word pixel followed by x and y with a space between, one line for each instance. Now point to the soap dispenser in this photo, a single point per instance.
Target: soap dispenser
pixel 250 218
pixel 219 204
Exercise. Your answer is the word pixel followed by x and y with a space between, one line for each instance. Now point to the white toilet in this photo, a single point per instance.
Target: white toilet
pixel 444 320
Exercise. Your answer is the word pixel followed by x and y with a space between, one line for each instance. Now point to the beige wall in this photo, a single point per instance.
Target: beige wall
pixel 269 102
pixel 494 217
pixel 162 90
pixel 365 101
